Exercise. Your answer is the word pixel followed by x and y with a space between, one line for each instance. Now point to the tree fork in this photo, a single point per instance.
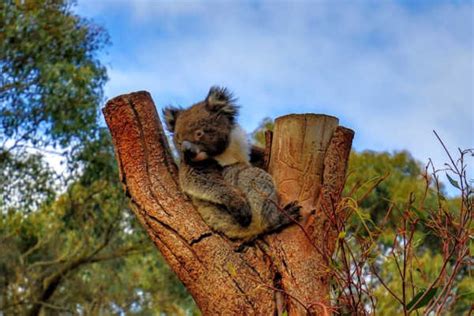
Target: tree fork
pixel 286 270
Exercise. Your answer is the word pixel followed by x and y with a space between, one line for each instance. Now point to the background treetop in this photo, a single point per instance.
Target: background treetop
pixel 51 79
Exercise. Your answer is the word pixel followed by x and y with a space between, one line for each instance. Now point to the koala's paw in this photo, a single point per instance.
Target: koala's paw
pixel 239 208
pixel 293 209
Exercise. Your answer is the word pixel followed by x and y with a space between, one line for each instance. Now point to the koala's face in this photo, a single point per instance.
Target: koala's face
pixel 202 131
pixel 200 134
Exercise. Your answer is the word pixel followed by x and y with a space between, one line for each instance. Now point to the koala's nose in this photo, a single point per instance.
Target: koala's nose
pixel 192 152
pixel 189 150
pixel 187 146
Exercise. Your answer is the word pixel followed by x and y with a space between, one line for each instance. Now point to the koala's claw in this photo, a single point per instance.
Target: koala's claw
pixel 293 209
pixel 243 220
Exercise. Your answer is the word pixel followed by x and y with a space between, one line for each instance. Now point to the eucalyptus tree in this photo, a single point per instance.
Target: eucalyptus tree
pixel 65 246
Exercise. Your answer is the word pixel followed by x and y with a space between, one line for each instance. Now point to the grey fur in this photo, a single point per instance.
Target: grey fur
pixel 220 99
pixel 238 200
pixel 259 188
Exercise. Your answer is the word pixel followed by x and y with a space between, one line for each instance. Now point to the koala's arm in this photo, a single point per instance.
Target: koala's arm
pixel 207 184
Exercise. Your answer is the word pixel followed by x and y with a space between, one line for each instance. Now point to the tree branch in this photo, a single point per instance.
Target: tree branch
pixel 307 162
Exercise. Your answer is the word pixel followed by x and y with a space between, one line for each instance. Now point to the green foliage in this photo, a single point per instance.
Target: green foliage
pixel 258 135
pixel 26 181
pixel 50 79
pixel 425 270
pixel 89 243
pixel 422 298
pixel 68 242
pixel 410 237
pixel 395 175
pixel 50 88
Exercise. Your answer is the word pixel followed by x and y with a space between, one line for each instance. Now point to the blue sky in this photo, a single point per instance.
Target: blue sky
pixel 392 71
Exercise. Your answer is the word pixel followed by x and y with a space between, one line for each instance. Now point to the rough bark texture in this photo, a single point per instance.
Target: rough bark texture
pixel 308 162
pixel 284 271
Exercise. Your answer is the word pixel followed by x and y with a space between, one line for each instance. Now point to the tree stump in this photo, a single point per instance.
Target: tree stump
pixel 282 271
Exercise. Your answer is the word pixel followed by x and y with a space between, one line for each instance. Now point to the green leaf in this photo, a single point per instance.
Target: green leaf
pixel 424 301
pixel 467 294
pixel 421 214
pixel 453 182
pixel 231 269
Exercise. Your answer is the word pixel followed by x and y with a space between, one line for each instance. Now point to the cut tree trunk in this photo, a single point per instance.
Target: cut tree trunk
pixel 286 271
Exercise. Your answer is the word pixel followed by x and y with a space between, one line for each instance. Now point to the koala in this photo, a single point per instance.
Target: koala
pixel 231 195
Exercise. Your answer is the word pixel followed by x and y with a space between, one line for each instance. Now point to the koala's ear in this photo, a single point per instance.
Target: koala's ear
pixel 171 114
pixel 221 100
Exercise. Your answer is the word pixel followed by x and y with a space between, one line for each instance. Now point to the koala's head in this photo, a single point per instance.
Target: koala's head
pixel 203 130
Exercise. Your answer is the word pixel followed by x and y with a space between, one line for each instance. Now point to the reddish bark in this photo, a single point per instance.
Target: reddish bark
pixel 287 270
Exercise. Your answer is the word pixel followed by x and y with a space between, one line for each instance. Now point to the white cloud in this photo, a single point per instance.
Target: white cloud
pixel 390 72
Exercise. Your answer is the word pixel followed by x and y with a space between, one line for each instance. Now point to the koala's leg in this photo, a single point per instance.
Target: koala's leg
pixel 208 185
pixel 218 218
pixel 221 221
pixel 261 193
pixel 277 216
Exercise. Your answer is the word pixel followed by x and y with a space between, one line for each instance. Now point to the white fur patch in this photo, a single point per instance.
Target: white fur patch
pixel 238 149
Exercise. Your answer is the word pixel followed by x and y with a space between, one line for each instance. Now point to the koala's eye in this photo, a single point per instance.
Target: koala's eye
pixel 199 133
